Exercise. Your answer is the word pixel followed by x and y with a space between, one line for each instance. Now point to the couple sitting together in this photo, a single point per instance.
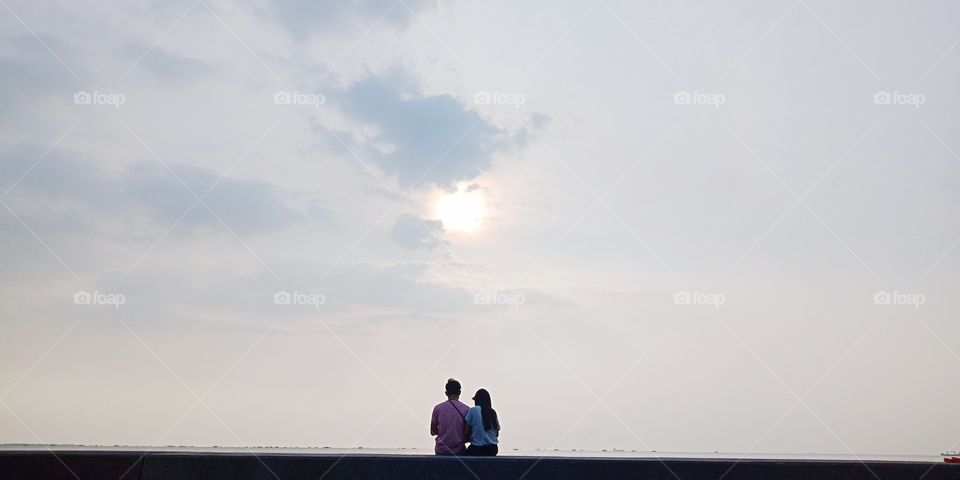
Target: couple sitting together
pixel 454 424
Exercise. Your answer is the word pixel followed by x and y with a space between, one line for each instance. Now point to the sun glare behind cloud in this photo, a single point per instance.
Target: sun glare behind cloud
pixel 461 211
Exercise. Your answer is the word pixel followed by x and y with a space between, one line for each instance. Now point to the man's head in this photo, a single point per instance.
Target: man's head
pixel 453 388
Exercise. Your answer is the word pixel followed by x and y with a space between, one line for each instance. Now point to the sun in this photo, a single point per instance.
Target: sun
pixel 462 210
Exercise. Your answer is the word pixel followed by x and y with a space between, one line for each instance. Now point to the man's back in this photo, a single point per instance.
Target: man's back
pixel 448 417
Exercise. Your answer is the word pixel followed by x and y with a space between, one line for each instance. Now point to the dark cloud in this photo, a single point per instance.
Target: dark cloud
pixel 413 232
pixel 306 17
pixel 421 139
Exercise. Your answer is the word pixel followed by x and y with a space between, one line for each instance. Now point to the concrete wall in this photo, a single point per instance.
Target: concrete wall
pixel 214 466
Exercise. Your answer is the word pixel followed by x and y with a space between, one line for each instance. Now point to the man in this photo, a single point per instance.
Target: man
pixel 448 421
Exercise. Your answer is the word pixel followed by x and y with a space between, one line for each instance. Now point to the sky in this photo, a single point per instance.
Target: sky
pixel 671 226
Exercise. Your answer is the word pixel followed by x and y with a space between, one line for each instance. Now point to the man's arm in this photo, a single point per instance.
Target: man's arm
pixel 434 428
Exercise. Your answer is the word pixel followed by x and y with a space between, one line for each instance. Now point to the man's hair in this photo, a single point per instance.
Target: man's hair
pixel 453 387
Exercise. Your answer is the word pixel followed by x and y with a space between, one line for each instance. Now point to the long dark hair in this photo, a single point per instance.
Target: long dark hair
pixel 482 399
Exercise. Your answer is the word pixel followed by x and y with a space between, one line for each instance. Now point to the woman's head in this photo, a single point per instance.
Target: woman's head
pixel 482 400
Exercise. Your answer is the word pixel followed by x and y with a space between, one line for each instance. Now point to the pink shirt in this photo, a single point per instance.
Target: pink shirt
pixel 450 423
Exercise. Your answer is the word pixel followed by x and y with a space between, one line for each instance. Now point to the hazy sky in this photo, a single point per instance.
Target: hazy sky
pixel 678 226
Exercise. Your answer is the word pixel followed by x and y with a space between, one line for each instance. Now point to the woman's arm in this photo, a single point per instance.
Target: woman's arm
pixel 467 431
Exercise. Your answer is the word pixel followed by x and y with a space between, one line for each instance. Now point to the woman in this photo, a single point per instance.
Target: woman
pixel 482 426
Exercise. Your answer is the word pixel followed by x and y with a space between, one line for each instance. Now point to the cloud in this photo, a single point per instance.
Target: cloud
pixel 165 66
pixel 398 286
pixel 413 232
pixel 245 206
pixel 31 72
pixel 303 18
pixel 64 182
pixel 420 138
pixel 57 176
pixel 220 291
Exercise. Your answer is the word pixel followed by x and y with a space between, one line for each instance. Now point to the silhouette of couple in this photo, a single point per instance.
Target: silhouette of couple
pixel 454 424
